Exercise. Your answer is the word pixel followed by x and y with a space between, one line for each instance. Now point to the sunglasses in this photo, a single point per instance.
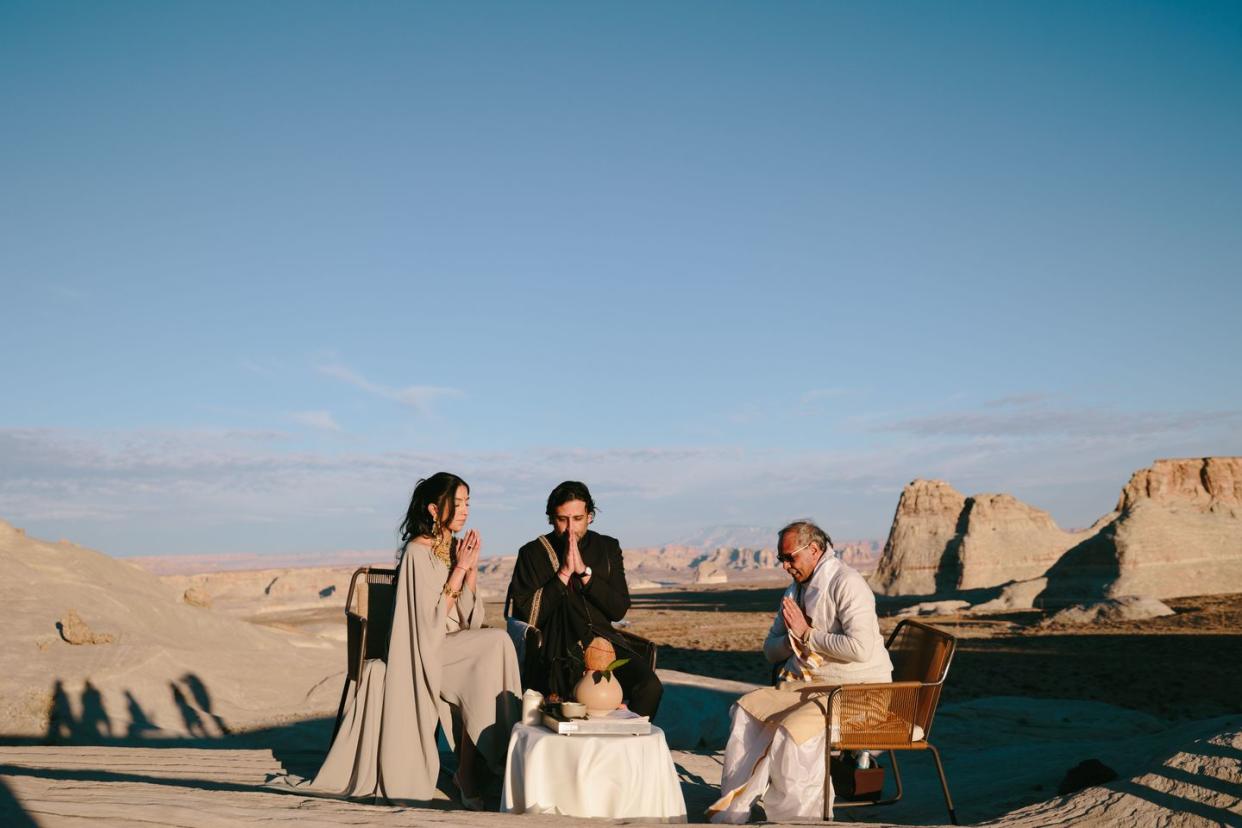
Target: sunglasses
pixel 784 558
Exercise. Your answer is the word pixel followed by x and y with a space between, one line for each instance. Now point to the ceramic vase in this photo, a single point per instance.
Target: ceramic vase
pixel 600 699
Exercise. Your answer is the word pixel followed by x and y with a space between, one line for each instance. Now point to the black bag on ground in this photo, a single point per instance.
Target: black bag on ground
pixel 852 782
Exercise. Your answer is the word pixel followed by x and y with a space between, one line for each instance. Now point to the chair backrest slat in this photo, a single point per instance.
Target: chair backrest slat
pixel 922 653
pixel 368 616
pixel 381 600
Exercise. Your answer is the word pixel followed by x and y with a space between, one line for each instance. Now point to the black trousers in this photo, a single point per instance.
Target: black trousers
pixel 641 686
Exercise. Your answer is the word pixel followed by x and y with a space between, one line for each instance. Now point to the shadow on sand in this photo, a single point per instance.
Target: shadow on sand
pixel 92 725
pixel 300 746
pixel 1084 573
pixel 734 666
pixel 12 814
pixel 1118 669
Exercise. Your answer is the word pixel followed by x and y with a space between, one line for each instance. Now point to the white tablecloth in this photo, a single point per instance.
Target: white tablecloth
pixel 614 777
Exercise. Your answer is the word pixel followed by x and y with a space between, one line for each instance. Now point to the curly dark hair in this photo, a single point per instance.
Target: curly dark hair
pixel 567 491
pixel 440 489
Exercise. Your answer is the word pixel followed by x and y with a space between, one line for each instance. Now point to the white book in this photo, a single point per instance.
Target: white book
pixel 616 723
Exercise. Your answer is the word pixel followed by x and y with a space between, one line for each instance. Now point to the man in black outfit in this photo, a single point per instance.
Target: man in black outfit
pixel 570 583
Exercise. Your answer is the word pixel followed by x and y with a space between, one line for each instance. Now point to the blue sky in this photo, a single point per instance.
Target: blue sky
pixel 265 265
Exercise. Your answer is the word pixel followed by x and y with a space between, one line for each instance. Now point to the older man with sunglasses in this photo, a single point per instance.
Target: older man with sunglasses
pixel 825 632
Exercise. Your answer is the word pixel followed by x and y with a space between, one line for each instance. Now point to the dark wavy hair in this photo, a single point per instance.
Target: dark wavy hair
pixel 440 489
pixel 567 491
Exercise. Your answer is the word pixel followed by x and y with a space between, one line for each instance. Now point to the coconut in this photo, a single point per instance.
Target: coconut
pixel 599 654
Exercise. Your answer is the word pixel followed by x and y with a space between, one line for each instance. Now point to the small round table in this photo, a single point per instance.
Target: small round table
pixel 614 777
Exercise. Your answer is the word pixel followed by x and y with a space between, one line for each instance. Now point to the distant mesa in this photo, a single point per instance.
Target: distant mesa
pixel 729 564
pixel 710 572
pixel 731 536
pixel 1176 531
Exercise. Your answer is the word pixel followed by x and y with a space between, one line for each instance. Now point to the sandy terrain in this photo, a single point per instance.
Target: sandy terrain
pixel 182 717
pixel 1187 665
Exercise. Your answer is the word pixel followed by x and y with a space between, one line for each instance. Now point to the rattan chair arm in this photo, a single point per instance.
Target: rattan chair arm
pixel 832 689
pixel 850 689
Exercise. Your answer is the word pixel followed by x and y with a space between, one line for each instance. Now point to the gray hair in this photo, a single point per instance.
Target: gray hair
pixel 807 532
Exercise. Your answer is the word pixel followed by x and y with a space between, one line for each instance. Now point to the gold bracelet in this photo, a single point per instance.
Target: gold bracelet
pixel 450 592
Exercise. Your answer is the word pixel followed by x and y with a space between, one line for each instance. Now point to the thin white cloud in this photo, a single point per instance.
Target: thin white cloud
pixel 816 394
pixel 322 420
pixel 1037 421
pixel 417 397
pixel 1018 400
pixel 819 401
pixel 264 367
pixel 205 490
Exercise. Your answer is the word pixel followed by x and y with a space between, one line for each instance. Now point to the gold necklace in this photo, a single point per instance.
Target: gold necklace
pixel 442 548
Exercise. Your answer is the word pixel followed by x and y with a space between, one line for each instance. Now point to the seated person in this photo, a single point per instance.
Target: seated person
pixel 825 632
pixel 570 583
pixel 442 666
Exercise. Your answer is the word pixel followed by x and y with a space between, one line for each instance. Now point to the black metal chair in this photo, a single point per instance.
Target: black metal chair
pixel 368 625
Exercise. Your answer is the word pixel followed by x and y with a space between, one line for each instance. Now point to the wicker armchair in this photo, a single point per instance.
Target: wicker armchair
pixel 368 625
pixel 895 716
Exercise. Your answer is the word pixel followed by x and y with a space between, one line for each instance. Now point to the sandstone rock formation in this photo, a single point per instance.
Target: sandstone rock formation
pixel 942 542
pixel 861 555
pixel 197 597
pixel 949 607
pixel 924 526
pixel 1007 540
pixel 75 631
pixel 1177 531
pixel 1017 595
pixel 1211 484
pixel 1126 608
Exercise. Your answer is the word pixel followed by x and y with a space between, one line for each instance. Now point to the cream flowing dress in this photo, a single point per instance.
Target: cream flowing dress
pixel 437 660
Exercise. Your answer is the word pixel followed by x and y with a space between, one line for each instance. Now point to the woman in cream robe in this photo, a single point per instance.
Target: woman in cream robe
pixel 440 661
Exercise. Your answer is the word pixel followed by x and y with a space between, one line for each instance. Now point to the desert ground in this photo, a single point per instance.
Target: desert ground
pixel 1187 665
pixel 189 702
